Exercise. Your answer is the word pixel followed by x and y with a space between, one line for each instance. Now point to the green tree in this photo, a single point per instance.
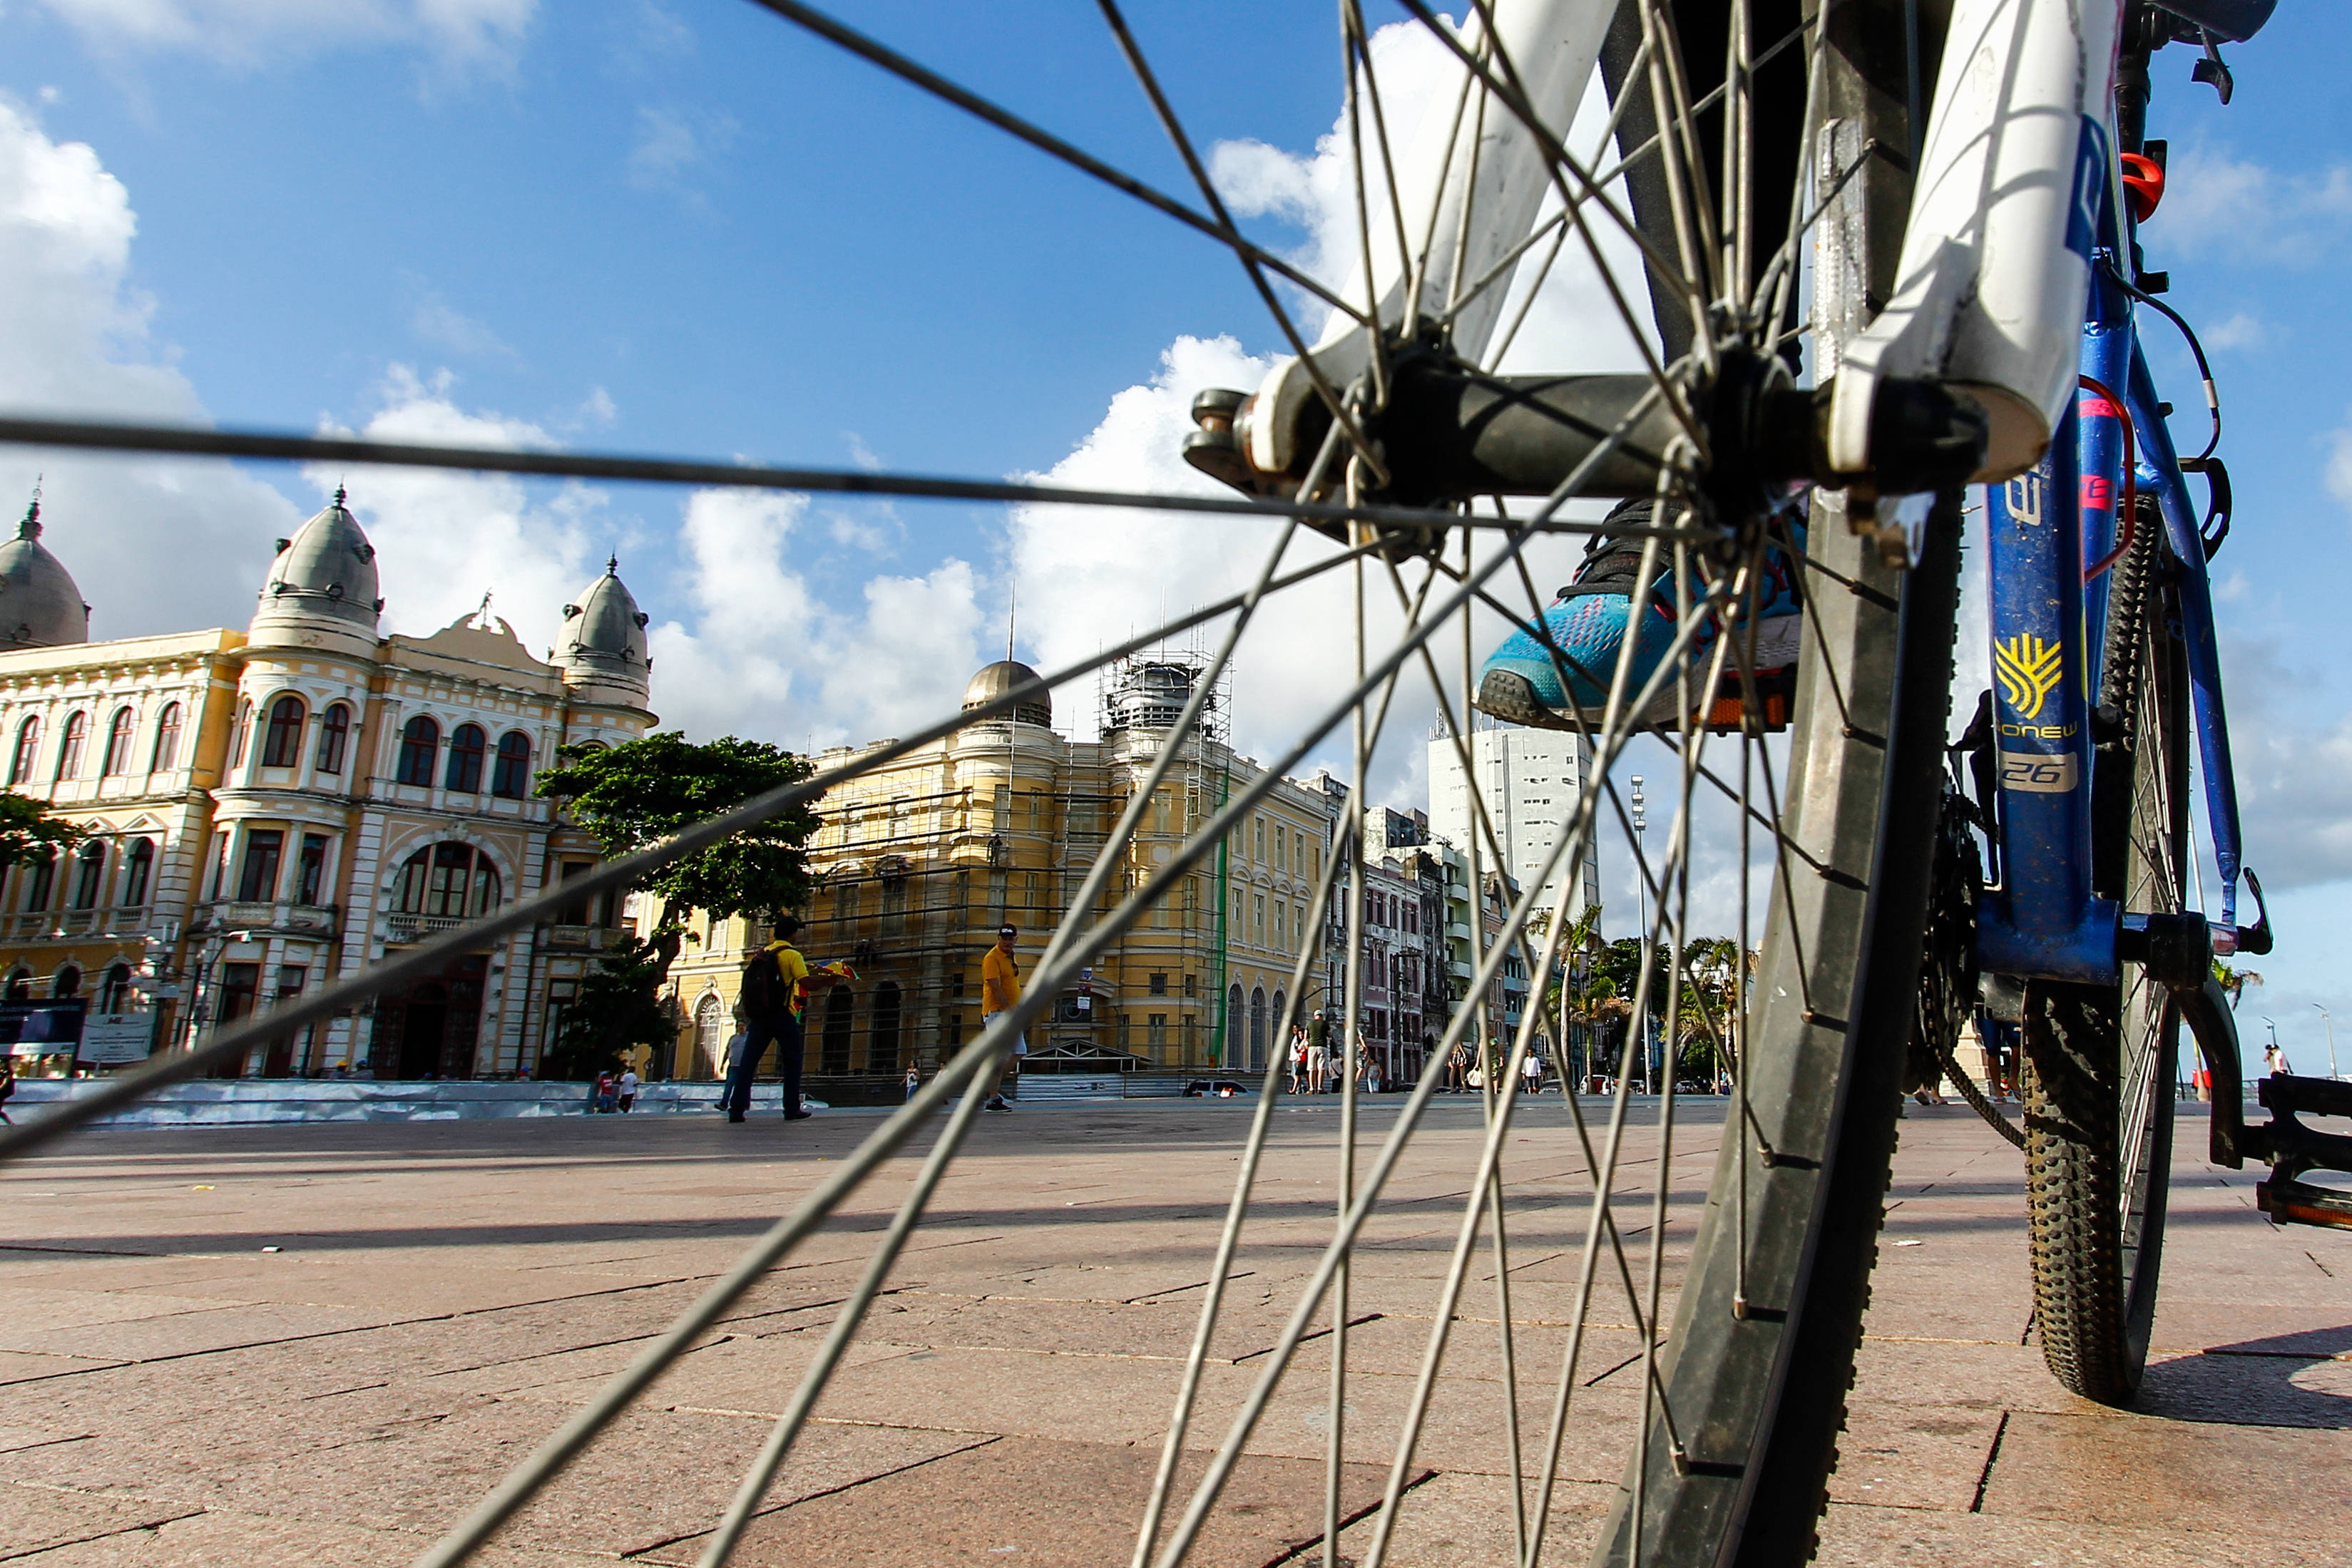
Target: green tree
pixel 638 794
pixel 28 831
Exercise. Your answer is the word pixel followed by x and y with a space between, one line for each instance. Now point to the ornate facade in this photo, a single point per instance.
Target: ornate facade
pixel 919 862
pixel 273 808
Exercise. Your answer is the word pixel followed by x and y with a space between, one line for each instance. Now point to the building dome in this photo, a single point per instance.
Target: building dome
pixel 604 654
pixel 1003 677
pixel 322 586
pixel 39 605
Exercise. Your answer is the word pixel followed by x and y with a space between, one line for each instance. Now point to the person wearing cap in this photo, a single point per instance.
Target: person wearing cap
pixel 771 1011
pixel 999 992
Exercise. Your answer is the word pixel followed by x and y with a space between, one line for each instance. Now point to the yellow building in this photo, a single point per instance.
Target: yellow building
pixel 919 862
pixel 272 809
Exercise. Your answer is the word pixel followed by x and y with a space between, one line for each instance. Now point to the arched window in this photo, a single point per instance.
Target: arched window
pixel 448 882
pixel 420 738
pixel 244 733
pixel 709 1041
pixel 510 776
pixel 282 746
pixel 90 876
pixel 882 1037
pixel 29 751
pixel 839 1016
pixel 334 733
pixel 1233 1026
pixel 67 984
pixel 20 984
pixel 167 740
pixel 1273 1018
pixel 140 863
pixel 1257 1028
pixel 69 748
pixel 41 881
pixel 118 734
pixel 116 995
pixel 466 748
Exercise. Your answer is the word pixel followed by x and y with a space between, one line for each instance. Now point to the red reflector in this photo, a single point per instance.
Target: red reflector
pixel 2144 179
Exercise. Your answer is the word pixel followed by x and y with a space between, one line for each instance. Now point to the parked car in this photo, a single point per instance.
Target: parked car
pixel 1214 1088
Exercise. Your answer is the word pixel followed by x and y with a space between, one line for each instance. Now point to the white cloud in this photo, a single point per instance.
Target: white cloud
pixel 445 539
pixel 75 339
pixel 462 36
pixel 770 656
pixel 2217 202
pixel 434 320
pixel 2240 330
pixel 1110 574
pixel 669 145
pixel 2338 471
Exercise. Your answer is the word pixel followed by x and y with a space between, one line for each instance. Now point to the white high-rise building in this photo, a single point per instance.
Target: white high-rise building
pixel 1530 780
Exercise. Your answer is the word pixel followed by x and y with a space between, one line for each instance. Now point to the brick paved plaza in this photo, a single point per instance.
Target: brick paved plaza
pixel 443 1293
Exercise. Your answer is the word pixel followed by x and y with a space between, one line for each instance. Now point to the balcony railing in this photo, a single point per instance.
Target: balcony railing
pixel 597 936
pixel 281 917
pixel 401 928
pixel 67 924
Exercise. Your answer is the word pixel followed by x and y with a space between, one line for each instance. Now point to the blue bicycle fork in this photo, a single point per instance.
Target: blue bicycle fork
pixel 2044 922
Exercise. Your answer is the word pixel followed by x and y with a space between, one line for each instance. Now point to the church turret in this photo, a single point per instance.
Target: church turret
pixel 321 589
pixel 39 605
pixel 603 651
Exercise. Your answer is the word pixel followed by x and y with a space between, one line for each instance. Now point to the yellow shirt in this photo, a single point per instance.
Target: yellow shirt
pixel 1000 982
pixel 795 969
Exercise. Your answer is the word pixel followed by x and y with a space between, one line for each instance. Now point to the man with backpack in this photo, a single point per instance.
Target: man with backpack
pixel 775 986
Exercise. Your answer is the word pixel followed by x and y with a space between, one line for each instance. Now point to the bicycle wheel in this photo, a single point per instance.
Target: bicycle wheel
pixel 2100 1062
pixel 1784 662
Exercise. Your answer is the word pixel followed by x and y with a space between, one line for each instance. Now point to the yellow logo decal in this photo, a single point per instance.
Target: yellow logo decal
pixel 2027 667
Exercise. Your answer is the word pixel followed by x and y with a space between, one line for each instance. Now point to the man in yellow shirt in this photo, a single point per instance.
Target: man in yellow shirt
pixel 775 989
pixel 1000 990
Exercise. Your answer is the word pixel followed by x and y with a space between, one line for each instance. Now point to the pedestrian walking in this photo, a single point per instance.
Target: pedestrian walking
pixel 727 1056
pixel 1298 1058
pixel 914 1081
pixel 628 1089
pixel 1319 1053
pixel 775 991
pixel 999 992
pixel 1531 1073
pixel 607 1090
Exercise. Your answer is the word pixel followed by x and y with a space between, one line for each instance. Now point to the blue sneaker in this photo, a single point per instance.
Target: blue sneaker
pixel 1565 685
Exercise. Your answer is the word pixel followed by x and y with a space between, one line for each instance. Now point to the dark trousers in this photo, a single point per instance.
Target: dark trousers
pixel 784 1029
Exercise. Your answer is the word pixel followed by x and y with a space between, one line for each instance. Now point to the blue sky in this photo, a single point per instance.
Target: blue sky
pixel 692 228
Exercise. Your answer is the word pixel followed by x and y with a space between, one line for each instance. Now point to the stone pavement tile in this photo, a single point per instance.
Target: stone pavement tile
pixel 18 1367
pixel 757 1375
pixel 36 1518
pixel 2187 1324
pixel 14 1439
pixel 1913 1456
pixel 1462 1430
pixel 1970 1376
pixel 220 1539
pixel 187 1332
pixel 1042 1503
pixel 2250 1390
pixel 1097 1399
pixel 1871 1537
pixel 28 1311
pixel 1454 1521
pixel 2233 1482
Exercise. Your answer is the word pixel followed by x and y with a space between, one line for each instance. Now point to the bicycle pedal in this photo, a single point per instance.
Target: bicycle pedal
pixel 2290 1202
pixel 1735 705
pixel 2286 1198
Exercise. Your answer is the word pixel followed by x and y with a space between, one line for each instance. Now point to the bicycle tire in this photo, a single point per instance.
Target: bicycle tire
pixel 2100 1060
pixel 1771 1316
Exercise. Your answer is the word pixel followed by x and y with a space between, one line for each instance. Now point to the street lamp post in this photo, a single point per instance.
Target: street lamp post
pixel 2330 1022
